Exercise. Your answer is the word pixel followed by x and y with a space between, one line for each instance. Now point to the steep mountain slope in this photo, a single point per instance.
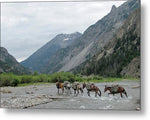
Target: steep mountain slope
pixel 9 64
pixel 92 40
pixel 40 58
pixel 120 56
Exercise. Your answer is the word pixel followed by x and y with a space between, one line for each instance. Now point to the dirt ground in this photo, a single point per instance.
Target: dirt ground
pixel 45 96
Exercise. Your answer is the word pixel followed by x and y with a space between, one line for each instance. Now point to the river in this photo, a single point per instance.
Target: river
pixel 47 97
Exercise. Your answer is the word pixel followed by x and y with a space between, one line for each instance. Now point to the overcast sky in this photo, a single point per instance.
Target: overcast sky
pixel 25 27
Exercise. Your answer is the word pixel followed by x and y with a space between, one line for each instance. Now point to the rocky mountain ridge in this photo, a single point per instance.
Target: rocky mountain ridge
pixel 41 57
pixel 92 41
pixel 120 56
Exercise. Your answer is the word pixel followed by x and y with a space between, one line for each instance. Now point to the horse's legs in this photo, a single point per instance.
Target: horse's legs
pixel 99 92
pixel 121 94
pixel 67 91
pixel 74 92
pixel 95 93
pixel 77 92
pixel 81 91
pixel 88 93
pixel 70 91
pixel 58 91
pixel 125 93
pixel 62 90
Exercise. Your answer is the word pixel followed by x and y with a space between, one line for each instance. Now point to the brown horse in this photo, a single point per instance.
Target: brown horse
pixel 92 88
pixel 60 85
pixel 112 90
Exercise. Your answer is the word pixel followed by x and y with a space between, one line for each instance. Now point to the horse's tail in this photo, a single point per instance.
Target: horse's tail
pixel 99 92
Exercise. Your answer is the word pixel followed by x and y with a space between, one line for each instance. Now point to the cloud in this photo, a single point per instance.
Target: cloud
pixel 25 27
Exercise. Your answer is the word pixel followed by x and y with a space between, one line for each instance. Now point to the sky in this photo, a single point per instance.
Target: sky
pixel 27 26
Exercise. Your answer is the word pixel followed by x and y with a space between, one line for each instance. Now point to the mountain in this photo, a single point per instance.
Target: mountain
pixel 41 57
pixel 120 56
pixel 9 64
pixel 92 41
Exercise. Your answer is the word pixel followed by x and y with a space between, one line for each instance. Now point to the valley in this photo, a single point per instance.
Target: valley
pixel 108 52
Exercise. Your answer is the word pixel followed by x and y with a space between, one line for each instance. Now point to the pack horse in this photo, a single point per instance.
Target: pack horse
pixel 76 86
pixel 91 87
pixel 114 89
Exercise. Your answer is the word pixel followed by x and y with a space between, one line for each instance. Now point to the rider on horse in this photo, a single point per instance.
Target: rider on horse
pixel 59 82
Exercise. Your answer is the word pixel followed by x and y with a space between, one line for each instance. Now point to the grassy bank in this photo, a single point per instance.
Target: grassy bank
pixel 23 80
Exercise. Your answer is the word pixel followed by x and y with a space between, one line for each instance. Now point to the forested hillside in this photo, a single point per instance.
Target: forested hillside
pixel 119 54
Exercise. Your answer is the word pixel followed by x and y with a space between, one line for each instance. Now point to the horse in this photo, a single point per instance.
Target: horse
pixel 67 86
pixel 76 86
pixel 59 85
pixel 115 89
pixel 92 88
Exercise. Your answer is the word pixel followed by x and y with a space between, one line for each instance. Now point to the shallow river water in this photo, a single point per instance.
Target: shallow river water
pixel 105 102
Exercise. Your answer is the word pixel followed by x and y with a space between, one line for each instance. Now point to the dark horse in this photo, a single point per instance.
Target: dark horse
pixel 115 89
pixel 91 87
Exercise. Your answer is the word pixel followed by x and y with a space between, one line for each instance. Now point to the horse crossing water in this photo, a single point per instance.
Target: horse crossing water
pixel 91 87
pixel 114 89
pixel 59 85
pixel 76 86
pixel 67 86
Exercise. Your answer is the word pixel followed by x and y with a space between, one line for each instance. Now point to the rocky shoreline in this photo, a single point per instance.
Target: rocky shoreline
pixel 25 97
pixel 24 101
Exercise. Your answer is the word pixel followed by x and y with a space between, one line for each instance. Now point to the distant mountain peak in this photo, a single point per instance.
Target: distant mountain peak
pixel 113 8
pixel 41 57
pixel 64 37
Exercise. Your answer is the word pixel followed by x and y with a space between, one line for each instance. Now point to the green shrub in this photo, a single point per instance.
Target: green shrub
pixel 64 76
pixel 97 78
pixel 9 79
pixel 79 79
pixel 88 79
pixel 35 73
pixel 14 82
pixel 26 79
pixel 4 82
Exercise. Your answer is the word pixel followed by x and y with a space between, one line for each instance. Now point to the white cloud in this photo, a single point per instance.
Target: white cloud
pixel 28 26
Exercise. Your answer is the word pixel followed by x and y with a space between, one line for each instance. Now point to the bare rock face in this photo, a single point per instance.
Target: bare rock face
pixel 113 8
pixel 133 68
